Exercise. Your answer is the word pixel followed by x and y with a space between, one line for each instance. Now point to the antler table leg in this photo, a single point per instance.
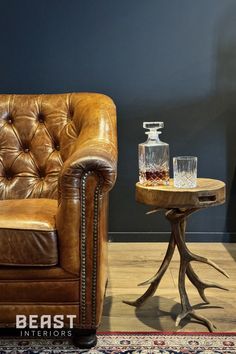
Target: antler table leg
pixel 155 280
pixel 200 285
pixel 177 219
pixel 193 277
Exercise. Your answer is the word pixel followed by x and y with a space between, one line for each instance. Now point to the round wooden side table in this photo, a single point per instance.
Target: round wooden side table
pixel 180 203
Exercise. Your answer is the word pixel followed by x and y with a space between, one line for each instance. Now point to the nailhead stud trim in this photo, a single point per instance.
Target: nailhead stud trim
pixel 97 194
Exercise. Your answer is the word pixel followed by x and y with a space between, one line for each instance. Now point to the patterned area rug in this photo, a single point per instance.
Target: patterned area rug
pixel 129 343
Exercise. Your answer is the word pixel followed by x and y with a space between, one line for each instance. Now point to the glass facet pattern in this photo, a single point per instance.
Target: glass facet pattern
pixel 185 171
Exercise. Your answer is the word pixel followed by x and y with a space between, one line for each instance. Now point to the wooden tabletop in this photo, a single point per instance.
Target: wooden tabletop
pixel 209 192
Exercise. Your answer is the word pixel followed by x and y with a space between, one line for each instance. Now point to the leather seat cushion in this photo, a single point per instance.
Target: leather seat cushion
pixel 28 234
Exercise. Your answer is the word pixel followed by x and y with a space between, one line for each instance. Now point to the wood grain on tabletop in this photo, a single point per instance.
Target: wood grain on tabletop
pixel 209 192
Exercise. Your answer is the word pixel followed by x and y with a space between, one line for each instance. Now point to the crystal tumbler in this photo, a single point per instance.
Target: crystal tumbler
pixel 185 171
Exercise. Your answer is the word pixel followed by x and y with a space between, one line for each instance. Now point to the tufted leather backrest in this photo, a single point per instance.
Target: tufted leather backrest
pixel 36 134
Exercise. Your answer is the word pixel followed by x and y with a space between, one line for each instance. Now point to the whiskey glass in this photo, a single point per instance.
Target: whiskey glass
pixel 185 171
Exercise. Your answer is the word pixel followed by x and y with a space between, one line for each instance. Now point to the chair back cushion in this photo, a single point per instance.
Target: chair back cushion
pixel 33 129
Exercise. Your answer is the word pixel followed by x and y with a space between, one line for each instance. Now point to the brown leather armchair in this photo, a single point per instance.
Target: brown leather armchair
pixel 58 157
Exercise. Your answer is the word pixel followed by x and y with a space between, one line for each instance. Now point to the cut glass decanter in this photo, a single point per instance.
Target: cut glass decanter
pixel 153 157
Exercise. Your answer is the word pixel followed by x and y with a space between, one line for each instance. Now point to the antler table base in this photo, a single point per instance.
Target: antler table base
pixel 208 193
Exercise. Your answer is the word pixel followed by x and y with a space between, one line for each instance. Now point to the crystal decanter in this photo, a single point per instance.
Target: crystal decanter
pixel 153 157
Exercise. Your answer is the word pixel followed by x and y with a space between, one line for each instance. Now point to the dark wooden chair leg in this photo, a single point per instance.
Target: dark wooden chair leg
pixel 84 338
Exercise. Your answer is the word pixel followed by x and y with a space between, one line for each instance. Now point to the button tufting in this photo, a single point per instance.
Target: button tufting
pixel 41 175
pixel 8 176
pixel 9 119
pixel 40 118
pixel 70 113
pixel 57 147
pixel 26 150
pixel 69 116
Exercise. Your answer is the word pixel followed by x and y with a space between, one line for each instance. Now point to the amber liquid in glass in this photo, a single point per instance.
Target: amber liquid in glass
pixel 150 178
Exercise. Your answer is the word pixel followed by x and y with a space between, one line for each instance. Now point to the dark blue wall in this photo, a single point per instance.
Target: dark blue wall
pixel 159 60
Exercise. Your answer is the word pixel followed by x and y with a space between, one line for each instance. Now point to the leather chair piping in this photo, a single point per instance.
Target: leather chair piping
pixel 43 303
pixel 51 280
pixel 36 229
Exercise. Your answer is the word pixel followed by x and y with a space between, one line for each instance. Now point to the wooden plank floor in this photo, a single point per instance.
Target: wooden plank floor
pixel 132 263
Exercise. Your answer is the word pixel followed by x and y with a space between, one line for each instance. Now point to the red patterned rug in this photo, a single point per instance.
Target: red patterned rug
pixel 129 343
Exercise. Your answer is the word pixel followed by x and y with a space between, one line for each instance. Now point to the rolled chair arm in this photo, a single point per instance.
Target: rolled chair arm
pixel 94 149
pixel 97 156
pixel 88 146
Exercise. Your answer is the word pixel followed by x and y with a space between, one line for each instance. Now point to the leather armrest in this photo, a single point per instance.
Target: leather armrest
pixel 95 149
pixel 96 156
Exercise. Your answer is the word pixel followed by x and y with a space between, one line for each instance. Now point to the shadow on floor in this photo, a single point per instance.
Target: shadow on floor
pixel 231 249
pixel 156 314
